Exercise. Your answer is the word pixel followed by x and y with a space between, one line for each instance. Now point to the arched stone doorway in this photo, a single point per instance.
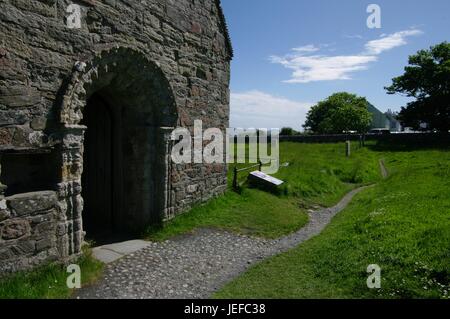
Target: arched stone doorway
pixel 117 117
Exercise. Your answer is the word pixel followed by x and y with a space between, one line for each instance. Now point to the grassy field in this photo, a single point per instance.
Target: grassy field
pixel 316 175
pixel 402 224
pixel 48 282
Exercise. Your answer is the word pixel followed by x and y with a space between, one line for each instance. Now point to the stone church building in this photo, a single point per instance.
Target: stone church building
pixel 86 115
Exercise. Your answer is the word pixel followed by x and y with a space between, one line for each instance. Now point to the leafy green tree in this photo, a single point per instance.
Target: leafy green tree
pixel 339 113
pixel 427 79
pixel 288 131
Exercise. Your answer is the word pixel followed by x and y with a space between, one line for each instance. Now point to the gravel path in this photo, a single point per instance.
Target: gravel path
pixel 198 264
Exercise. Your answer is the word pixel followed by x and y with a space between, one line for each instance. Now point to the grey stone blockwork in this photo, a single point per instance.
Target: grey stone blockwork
pixel 159 63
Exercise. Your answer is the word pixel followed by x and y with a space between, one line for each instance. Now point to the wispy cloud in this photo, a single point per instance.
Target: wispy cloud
pixel 323 68
pixel 353 36
pixel 309 66
pixel 306 48
pixel 391 41
pixel 256 109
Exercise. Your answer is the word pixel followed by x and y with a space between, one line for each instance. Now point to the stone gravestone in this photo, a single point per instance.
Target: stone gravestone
pixel 263 181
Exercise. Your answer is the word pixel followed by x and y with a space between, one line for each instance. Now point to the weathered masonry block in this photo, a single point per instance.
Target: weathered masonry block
pixel 86 116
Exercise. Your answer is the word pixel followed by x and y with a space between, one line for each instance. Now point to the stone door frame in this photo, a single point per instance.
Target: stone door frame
pixel 82 83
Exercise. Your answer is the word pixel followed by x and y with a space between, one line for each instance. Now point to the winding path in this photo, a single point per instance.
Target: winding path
pixel 198 264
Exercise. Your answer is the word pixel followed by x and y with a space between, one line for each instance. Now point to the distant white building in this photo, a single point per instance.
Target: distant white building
pixel 384 120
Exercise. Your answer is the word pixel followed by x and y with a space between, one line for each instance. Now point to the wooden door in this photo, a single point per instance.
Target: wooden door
pixel 97 178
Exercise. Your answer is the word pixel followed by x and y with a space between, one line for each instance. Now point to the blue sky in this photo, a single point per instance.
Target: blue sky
pixel 290 54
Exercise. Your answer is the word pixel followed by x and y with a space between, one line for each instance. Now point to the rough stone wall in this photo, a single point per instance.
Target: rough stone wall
pixel 28 230
pixel 185 39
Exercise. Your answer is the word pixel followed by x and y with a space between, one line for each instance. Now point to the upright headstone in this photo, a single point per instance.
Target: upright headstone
pixel 348 146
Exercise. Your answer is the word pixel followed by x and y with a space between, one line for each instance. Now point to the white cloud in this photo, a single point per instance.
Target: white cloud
pixel 353 36
pixel 307 48
pixel 388 42
pixel 256 109
pixel 323 68
pixel 308 67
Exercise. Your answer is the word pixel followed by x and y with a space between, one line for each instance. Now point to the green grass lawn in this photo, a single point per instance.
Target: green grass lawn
pixel 402 224
pixel 48 282
pixel 321 174
pixel 316 175
pixel 253 212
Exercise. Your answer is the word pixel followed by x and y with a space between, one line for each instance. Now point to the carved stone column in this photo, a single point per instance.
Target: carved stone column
pixel 4 213
pixel 2 187
pixel 70 238
pixel 166 133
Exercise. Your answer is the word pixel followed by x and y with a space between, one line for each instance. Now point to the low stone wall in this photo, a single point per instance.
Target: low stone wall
pixel 28 230
pixel 319 138
pixel 401 138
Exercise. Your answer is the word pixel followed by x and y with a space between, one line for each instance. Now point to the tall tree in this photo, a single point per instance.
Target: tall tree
pixel 288 131
pixel 341 112
pixel 427 79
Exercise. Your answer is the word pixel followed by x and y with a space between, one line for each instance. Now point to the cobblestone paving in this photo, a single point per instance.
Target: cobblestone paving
pixel 198 264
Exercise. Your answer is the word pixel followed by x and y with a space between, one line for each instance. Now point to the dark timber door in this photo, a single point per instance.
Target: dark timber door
pixel 97 180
